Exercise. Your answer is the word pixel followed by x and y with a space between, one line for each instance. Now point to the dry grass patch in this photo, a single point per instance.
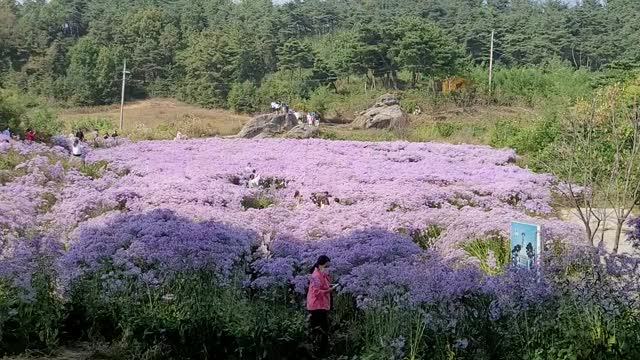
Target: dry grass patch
pixel 159 119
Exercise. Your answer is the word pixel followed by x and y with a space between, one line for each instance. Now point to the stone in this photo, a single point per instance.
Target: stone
pixel 268 125
pixel 303 131
pixel 385 114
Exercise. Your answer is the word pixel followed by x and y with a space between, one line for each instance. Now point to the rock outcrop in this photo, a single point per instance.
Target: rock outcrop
pixel 385 114
pixel 268 125
pixel 303 131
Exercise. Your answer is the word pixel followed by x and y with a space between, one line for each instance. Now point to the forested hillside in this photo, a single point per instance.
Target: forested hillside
pixel 220 53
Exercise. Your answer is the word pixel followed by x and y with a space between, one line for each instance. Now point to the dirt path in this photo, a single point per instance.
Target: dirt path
pixel 607 233
pixel 79 353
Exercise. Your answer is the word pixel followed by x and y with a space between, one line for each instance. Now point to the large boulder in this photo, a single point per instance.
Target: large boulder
pixel 268 125
pixel 385 114
pixel 303 131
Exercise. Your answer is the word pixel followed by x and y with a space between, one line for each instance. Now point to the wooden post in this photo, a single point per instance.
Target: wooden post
pixel 491 63
pixel 124 79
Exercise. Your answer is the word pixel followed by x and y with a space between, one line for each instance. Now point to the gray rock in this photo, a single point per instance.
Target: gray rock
pixel 268 125
pixel 387 100
pixel 385 114
pixel 303 131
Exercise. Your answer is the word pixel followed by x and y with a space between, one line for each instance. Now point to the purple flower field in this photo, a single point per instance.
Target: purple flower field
pixel 164 207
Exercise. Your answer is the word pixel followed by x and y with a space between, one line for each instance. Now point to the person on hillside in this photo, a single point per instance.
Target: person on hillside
pixel 285 108
pixel 310 118
pixel 114 135
pixel 274 106
pixel 76 150
pixel 106 136
pixel 319 304
pixel 30 135
pixel 299 116
pixel 5 136
pixel 254 180
pixel 316 119
pixel 80 135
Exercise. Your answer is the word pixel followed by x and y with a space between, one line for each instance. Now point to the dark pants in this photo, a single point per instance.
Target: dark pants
pixel 320 331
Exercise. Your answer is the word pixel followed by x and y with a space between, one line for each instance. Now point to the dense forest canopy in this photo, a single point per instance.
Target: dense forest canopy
pixel 206 51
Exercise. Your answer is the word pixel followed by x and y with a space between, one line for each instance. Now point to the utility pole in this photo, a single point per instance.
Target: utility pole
pixel 491 63
pixel 124 80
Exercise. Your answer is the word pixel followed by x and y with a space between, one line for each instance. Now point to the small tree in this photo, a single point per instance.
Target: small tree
pixel 243 97
pixel 597 157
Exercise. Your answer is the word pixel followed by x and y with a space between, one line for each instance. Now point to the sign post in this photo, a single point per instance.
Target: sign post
pixel 526 244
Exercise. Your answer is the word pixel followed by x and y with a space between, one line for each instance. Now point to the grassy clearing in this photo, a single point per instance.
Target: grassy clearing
pixel 476 125
pixel 155 119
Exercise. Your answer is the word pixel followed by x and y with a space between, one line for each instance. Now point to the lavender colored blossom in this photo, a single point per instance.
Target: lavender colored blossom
pixel 178 208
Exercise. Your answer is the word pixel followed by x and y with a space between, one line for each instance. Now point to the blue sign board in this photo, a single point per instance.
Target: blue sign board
pixel 525 244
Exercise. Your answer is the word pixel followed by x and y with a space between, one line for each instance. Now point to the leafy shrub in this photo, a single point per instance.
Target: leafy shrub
pixel 189 315
pixel 259 201
pixel 93 170
pixel 426 238
pixel 31 320
pixel 281 86
pixel 243 97
pixel 44 122
pixel 445 129
pixel 493 253
pixel 48 201
pixel 320 100
pixel 91 123
pixel 504 133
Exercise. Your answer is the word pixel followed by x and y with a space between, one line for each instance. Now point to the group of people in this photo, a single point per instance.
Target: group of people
pixel 312 117
pixel 77 141
pixel 7 136
pixel 279 107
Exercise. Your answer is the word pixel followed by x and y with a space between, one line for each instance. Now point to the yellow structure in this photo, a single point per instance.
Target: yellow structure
pixel 451 84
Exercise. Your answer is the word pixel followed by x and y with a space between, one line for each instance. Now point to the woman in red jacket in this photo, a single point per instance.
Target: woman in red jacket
pixel 319 302
pixel 30 135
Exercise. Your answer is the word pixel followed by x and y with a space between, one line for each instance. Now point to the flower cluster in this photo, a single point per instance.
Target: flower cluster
pixel 181 207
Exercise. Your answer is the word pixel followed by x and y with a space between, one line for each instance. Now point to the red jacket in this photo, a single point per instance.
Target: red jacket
pixel 29 136
pixel 319 294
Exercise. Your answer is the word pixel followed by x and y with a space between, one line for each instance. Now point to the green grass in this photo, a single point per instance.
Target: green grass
pixel 8 163
pixel 93 170
pixel 259 201
pixel 492 252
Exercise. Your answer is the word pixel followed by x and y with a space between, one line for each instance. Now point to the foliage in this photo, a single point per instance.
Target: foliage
pixel 492 253
pixel 86 124
pixel 243 97
pixel 71 52
pixel 201 276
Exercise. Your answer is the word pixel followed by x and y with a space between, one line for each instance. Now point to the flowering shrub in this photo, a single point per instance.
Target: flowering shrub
pixel 207 245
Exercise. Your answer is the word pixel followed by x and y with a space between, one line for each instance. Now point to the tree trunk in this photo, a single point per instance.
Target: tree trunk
pixel 618 234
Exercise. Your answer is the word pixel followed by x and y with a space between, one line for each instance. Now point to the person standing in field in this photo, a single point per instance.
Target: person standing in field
pixel 5 136
pixel 319 304
pixel 30 135
pixel 76 150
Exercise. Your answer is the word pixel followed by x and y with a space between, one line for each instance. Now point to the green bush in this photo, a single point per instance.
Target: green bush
pixel 320 100
pixel 189 317
pixel 505 133
pixel 90 123
pixel 94 170
pixel 243 97
pixel 258 201
pixel 281 86
pixel 31 321
pixel 44 122
pixel 11 112
pixel 445 129
pixel 492 252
